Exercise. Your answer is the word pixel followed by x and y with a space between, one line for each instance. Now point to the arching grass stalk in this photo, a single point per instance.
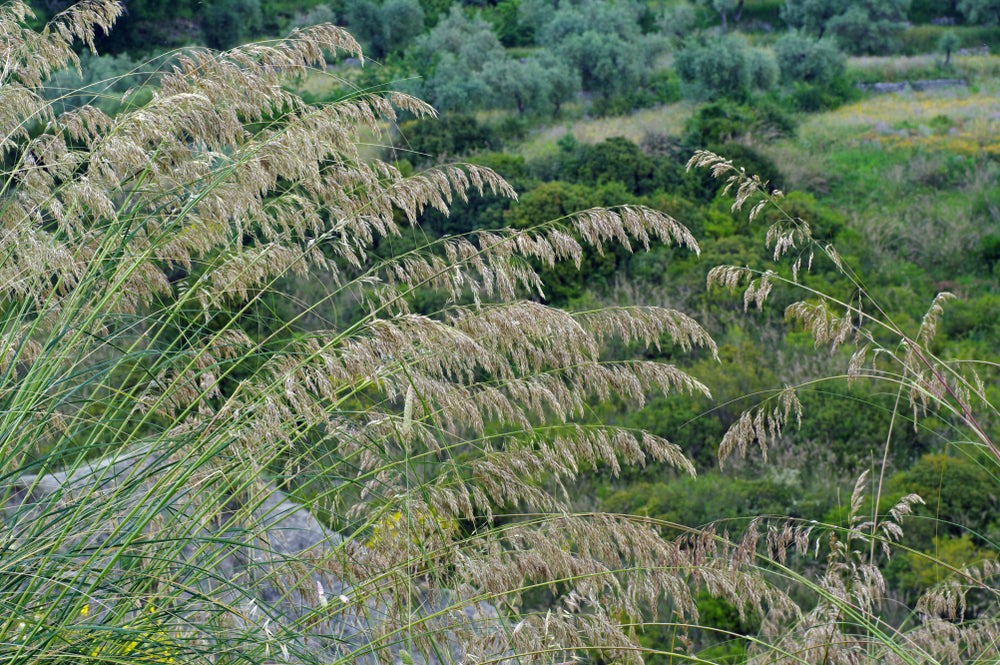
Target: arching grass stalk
pixel 153 408
pixel 852 589
pixel 926 378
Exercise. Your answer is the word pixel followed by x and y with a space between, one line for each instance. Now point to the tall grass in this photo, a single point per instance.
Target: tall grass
pixel 161 401
pixel 199 469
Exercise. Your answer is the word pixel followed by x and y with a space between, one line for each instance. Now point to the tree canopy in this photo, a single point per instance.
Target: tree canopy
pixel 602 40
pixel 982 12
pixel 859 26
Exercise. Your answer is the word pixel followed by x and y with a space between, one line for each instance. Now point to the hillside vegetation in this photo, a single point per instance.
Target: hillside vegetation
pixel 597 331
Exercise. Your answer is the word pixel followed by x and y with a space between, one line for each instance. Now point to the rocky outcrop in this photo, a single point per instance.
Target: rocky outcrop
pixel 265 565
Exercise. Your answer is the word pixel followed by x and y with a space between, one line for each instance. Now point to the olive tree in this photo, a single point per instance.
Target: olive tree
pixel 469 38
pixel 531 85
pixel 470 70
pixel 948 44
pixel 603 42
pixel 812 16
pixel 384 28
pixel 859 26
pixel 455 52
pixel 676 22
pixel 725 9
pixel 804 58
pixel 723 66
pixel 980 12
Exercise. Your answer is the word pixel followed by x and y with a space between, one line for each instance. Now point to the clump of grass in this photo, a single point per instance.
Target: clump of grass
pixel 158 403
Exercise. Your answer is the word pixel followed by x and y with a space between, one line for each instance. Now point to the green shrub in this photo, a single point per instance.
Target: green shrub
pixel 724 121
pixel 229 23
pixel 812 98
pixel 617 159
pixel 940 562
pixel 708 498
pixel 752 161
pixel 958 493
pixel 716 123
pixel 989 249
pixel 453 135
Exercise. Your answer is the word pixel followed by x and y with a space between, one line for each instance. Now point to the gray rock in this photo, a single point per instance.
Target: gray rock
pixel 903 86
pixel 268 566
pixel 939 84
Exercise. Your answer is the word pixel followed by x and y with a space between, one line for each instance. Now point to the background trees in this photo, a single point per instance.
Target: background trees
pixel 472 70
pixel 725 65
pixel 386 28
pixel 983 12
pixel 812 16
pixel 230 22
pixel 859 26
pixel 804 58
pixel 603 42
pixel 459 47
pixel 727 9
pixel 104 79
pixel 677 21
pixel 948 43
pixel 539 84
